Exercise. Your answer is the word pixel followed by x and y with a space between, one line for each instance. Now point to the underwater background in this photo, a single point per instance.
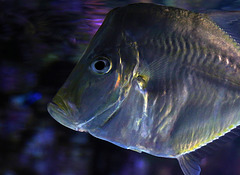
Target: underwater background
pixel 40 42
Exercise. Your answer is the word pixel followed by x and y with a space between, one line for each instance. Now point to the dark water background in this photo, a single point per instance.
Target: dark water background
pixel 40 41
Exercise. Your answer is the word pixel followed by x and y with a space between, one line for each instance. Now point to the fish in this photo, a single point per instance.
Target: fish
pixel 157 79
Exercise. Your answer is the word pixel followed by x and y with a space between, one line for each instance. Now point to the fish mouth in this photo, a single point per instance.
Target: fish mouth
pixel 66 119
pixel 71 118
pixel 62 116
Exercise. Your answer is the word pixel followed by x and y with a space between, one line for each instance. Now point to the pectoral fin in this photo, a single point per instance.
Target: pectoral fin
pixel 189 164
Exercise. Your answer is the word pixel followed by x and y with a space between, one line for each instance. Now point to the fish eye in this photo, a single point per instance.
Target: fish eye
pixel 101 65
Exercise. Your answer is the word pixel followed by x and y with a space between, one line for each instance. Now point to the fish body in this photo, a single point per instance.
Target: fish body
pixel 155 79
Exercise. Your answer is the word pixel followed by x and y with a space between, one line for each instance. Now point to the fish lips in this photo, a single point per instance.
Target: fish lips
pixel 73 122
pixel 62 116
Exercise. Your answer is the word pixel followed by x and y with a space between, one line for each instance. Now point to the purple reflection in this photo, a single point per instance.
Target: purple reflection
pixel 37 146
pixel 16 79
pixel 8 81
pixel 15 120
pixel 135 164
pixel 95 14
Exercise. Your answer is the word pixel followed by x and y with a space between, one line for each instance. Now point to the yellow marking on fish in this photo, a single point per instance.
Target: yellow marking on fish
pixel 199 143
pixel 117 82
pixel 145 107
pixel 164 122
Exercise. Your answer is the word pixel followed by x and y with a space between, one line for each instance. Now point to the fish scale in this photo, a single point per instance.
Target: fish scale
pixel 170 86
pixel 198 58
pixel 232 95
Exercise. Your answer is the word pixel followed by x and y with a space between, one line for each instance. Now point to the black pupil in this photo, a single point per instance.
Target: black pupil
pixel 100 65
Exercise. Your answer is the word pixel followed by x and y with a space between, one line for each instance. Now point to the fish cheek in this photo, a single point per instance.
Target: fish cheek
pixel 99 93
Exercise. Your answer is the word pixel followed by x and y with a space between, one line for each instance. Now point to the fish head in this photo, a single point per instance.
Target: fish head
pixel 100 81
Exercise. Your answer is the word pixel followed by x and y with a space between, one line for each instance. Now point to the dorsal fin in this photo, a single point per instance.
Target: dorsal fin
pixel 189 162
pixel 228 21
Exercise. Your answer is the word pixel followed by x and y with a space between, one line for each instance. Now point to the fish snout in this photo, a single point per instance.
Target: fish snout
pixel 64 113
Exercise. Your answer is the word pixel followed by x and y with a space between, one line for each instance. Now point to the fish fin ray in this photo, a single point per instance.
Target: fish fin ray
pixel 229 21
pixel 155 70
pixel 189 164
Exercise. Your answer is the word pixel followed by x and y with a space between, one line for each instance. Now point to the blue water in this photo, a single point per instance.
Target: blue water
pixel 41 40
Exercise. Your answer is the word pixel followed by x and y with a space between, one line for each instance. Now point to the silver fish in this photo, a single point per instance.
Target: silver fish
pixel 157 79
